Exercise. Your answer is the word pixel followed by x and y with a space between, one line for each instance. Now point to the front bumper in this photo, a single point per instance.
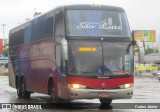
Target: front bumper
pixel 97 93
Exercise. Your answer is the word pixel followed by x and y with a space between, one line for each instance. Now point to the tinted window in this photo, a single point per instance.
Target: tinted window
pixel 49 27
pixel 39 28
pixel 97 23
pixel 16 38
pixel 88 57
pixel 59 31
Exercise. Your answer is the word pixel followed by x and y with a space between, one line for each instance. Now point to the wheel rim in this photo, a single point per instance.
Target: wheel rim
pixel 52 94
pixel 18 90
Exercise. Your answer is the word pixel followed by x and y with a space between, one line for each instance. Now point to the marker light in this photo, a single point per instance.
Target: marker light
pixel 125 86
pixel 76 86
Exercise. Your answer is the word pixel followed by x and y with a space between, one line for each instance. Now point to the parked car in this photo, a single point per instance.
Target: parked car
pixel 155 73
pixel 158 76
pixel 138 72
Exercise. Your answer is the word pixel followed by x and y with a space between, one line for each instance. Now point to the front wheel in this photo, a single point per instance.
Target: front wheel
pixel 53 98
pixel 105 101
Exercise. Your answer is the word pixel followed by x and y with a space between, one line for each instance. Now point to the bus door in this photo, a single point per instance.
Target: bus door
pixel 60 61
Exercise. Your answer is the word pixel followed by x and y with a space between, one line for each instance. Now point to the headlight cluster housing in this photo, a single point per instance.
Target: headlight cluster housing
pixel 126 86
pixel 76 86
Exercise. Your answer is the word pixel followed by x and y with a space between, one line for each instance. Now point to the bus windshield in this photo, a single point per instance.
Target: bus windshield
pixel 88 57
pixel 97 23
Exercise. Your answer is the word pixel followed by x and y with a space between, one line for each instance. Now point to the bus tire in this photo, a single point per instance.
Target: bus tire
pixel 25 94
pixel 19 88
pixel 53 98
pixel 105 101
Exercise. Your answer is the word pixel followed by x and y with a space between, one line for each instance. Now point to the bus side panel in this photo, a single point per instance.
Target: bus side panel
pixel 23 63
pixel 37 61
pixel 62 89
pixel 40 72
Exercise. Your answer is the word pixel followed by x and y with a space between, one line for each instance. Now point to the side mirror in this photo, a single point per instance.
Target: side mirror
pixel 140 48
pixel 132 35
pixel 64 49
pixel 141 51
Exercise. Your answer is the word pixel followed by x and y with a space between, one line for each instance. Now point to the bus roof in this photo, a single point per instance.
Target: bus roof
pixel 94 7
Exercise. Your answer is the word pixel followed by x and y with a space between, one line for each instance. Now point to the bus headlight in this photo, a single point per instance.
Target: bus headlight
pixel 76 86
pixel 125 86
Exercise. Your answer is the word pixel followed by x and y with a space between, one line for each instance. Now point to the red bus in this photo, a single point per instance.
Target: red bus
pixel 66 53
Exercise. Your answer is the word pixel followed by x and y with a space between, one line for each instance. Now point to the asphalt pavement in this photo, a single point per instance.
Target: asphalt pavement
pixel 146 91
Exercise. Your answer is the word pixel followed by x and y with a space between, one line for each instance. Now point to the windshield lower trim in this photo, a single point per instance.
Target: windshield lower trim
pixel 101 77
pixel 111 39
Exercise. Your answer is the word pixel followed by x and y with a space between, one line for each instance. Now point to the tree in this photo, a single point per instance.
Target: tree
pixel 5 50
pixel 149 51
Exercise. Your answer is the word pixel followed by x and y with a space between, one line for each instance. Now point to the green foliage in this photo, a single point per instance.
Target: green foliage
pixel 149 51
pixel 5 50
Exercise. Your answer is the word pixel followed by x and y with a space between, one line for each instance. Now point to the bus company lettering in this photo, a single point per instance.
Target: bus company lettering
pixel 40 50
pixel 87 25
pixel 104 24
pixel 36 50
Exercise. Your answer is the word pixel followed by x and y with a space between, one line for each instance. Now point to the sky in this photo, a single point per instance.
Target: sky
pixel 142 14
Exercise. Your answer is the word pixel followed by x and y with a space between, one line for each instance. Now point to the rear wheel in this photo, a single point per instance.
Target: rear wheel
pixel 21 89
pixel 25 94
pixel 105 101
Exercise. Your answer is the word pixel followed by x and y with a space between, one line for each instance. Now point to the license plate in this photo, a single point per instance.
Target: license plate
pixel 103 95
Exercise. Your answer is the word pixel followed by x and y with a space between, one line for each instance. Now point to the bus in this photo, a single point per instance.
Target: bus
pixel 65 52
